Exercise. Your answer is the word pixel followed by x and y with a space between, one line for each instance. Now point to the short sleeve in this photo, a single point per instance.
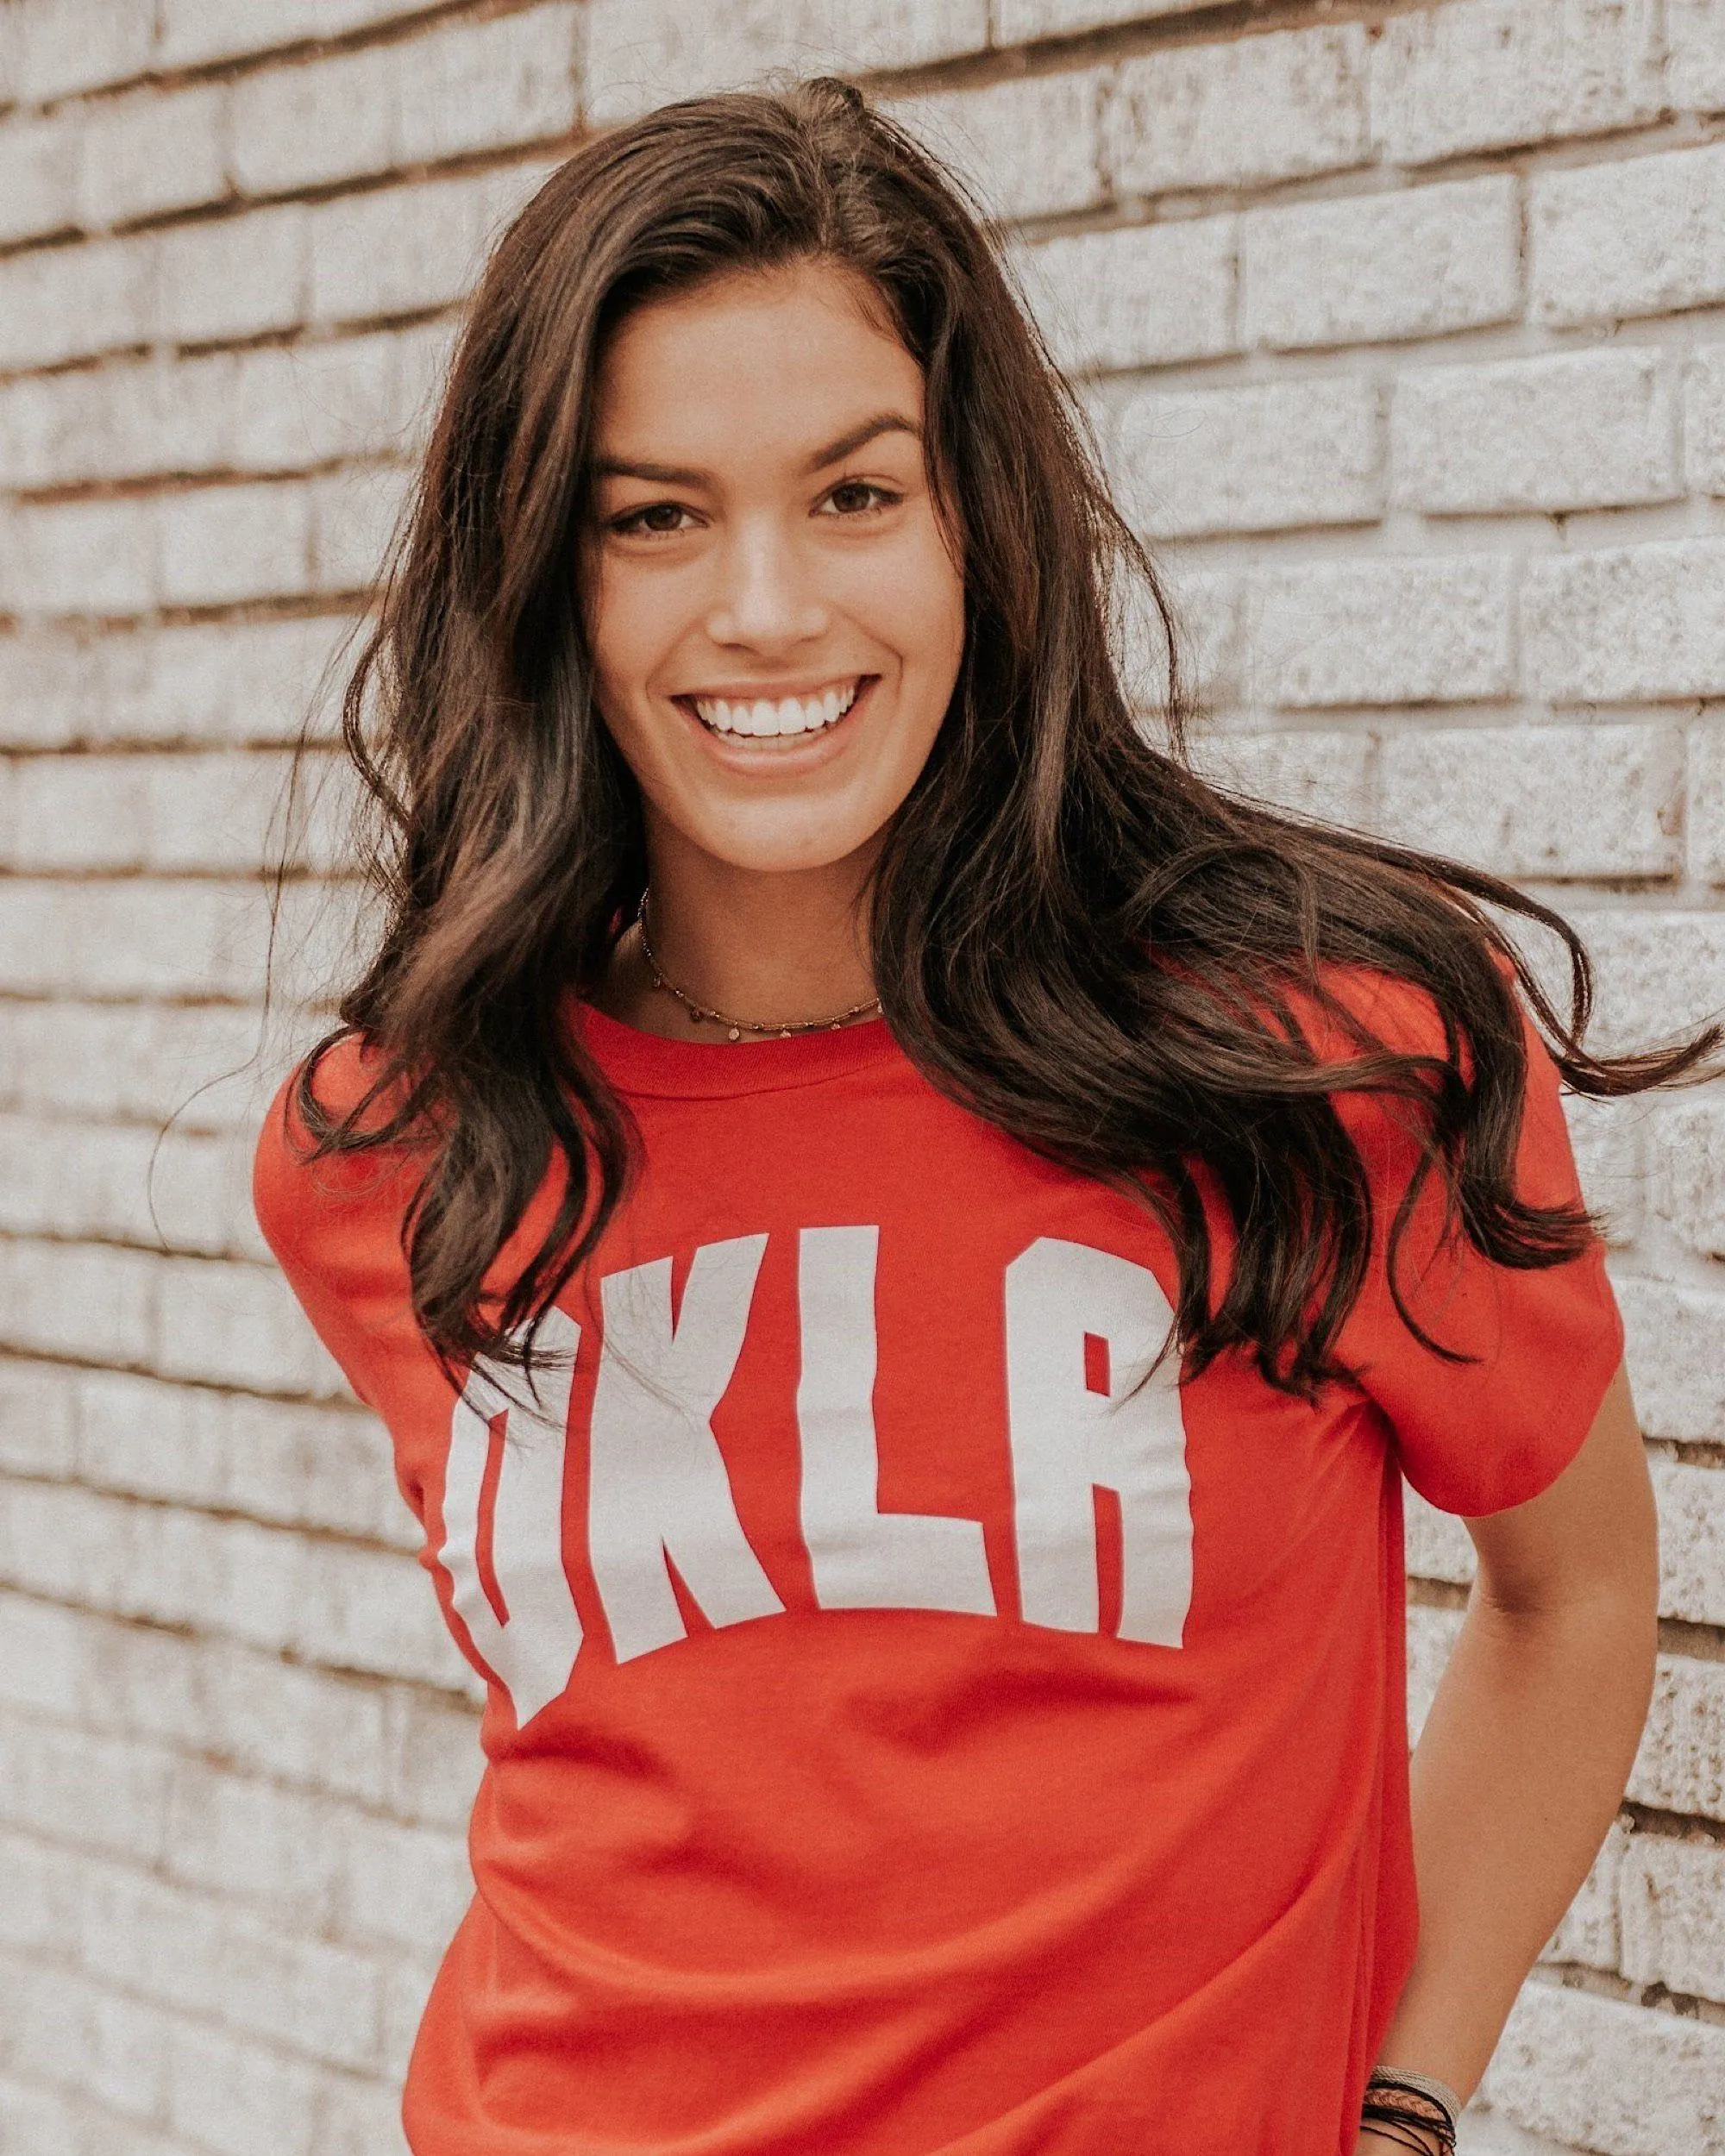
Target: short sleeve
pixel 1478 1436
pixel 334 1228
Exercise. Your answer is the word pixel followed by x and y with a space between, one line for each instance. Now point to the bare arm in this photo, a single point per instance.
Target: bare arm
pixel 1524 1757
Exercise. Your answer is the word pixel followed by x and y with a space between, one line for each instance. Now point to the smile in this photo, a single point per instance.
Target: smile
pixel 762 718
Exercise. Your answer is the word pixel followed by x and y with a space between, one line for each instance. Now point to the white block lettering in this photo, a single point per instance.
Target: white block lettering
pixel 863 1558
pixel 532 1651
pixel 1068 1439
pixel 658 1488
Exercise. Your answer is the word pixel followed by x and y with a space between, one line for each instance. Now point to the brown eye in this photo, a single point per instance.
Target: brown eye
pixel 857 498
pixel 658 517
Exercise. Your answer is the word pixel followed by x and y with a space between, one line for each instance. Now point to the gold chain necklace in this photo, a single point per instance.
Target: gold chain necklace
pixel 735 1028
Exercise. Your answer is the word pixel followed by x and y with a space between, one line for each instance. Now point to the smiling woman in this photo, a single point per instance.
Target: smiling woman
pixel 776 617
pixel 905 1244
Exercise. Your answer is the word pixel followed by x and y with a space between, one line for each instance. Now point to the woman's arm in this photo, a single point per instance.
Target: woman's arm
pixel 1523 1759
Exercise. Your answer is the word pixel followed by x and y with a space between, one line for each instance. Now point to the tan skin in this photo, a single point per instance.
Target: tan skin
pixel 764 529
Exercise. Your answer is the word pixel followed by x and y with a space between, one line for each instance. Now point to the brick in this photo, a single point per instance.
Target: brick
pixel 1207 608
pixel 230 1324
pixel 240 2097
pixel 147 154
pixel 79 1299
pixel 59 303
pixel 1673 1358
pixel 205 1065
pixel 356 2117
pixel 85 1789
pixel 38 176
pixel 320 1602
pixel 1687 1143
pixel 1137 295
pixel 433 1763
pixel 160 1696
pixel 1491 74
pixel 1589 1932
pixel 1694 64
pixel 1420 261
pixel 327 1467
pixel 66 45
pixel 1022 22
pixel 1583 430
pixel 217 682
pixel 1706 807
pixel 1607 2074
pixel 1637 235
pixel 1174 122
pixel 1680 1767
pixel 122 1186
pixel 222 544
pixel 1431 1637
pixel 332 116
pixel 1673 1899
pixel 354 514
pixel 235 277
pixel 128 938
pixel 486 85
pixel 454 90
pixel 643 53
pixel 1627 623
pixel 218 813
pixel 320 1863
pixel 336 397
pixel 981 135
pixel 1565 803
pixel 192 33
pixel 38 1426
pixel 1382 631
pixel 1251 459
pixel 187 1953
pixel 1323 774
pixel 405 250
pixel 1606 1137
pixel 1659 974
pixel 124 419
pixel 77 2032
pixel 80 557
pixel 1692 1502
pixel 1703 424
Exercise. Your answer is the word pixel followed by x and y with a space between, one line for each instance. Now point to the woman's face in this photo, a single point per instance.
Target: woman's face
pixel 774 617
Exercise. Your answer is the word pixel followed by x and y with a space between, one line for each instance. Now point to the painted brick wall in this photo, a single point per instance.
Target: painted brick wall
pixel 1403 329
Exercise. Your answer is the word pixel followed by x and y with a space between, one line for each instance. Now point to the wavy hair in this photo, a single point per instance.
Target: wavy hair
pixel 1073 934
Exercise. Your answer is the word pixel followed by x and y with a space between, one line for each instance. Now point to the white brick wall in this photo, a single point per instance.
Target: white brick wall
pixel 1403 335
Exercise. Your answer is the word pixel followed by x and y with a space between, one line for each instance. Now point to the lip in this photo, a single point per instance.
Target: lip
pixel 755 752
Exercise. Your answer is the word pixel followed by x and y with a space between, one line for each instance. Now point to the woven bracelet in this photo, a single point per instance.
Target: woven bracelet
pixel 1421 2102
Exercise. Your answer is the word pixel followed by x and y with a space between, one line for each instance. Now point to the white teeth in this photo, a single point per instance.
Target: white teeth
pixel 794 715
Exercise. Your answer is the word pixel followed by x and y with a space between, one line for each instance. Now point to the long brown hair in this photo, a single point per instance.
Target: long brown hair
pixel 1073 934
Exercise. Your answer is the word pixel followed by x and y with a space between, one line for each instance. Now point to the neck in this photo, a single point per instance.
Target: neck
pixel 775 948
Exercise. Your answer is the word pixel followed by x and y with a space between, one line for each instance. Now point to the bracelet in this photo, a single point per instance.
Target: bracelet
pixel 1421 2102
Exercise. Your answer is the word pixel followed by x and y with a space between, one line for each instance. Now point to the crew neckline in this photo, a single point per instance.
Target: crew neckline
pixel 637 1061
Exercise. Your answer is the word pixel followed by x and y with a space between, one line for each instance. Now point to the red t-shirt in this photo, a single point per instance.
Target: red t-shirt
pixel 904 1735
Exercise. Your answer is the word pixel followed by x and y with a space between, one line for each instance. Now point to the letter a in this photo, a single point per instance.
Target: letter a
pixel 533 1653
pixel 1067 1441
pixel 658 1488
pixel 863 1558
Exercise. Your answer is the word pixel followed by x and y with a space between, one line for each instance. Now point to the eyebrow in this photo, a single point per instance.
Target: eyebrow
pixel 846 445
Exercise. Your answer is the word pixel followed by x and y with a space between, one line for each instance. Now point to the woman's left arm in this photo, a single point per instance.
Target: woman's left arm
pixel 1524 1755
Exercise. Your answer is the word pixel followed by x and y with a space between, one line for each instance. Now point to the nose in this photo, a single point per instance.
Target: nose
pixel 768 599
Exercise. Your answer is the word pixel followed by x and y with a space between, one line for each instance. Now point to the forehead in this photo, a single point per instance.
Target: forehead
pixel 763 363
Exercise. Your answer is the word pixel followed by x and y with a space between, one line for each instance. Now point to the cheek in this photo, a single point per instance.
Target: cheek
pixel 913 600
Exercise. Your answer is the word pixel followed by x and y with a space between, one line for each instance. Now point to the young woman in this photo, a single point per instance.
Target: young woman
pixel 821 1053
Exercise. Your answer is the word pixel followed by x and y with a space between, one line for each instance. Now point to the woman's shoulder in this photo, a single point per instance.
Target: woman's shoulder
pixel 301 1195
